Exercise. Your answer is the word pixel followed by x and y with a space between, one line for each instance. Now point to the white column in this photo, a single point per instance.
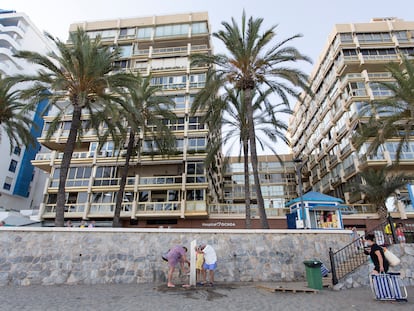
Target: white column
pixel 193 263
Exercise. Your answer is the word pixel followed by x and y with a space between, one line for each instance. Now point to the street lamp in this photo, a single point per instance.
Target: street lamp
pixel 298 166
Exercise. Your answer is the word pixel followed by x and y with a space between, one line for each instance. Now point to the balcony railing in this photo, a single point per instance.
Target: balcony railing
pixel 240 210
pixel 161 180
pixel 158 207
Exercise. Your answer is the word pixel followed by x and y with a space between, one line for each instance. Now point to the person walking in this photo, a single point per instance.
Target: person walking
pixel 175 256
pixel 210 263
pixel 377 255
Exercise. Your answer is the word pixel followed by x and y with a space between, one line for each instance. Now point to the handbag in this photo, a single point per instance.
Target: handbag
pixel 391 258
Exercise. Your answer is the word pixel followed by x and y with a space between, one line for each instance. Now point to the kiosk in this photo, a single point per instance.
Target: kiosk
pixel 320 211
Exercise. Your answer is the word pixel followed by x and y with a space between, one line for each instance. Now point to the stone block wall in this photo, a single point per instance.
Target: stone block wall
pixel 51 256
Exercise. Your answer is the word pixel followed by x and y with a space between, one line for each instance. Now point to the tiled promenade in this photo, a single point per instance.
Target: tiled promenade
pixel 227 297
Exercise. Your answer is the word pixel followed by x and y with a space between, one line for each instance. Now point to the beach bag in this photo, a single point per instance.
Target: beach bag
pixel 391 258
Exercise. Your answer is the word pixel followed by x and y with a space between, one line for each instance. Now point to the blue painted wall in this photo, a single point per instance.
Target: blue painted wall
pixel 25 174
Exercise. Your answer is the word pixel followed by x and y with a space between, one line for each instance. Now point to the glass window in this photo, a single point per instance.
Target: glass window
pixel 7 183
pixel 195 195
pixel 144 33
pixel 171 30
pixel 12 166
pixel 346 37
pixel 143 196
pixel 179 102
pixel 17 150
pixel 195 123
pixel 200 27
pixel 125 50
pixel 127 32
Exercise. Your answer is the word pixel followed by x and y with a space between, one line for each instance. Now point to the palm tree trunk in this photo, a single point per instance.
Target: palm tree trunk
pixel 254 159
pixel 247 183
pixel 119 198
pixel 382 212
pixel 65 165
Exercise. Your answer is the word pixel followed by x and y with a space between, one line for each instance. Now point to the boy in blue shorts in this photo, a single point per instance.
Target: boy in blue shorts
pixel 210 263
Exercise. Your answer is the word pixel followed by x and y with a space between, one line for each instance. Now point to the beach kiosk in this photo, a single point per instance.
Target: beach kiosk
pixel 320 211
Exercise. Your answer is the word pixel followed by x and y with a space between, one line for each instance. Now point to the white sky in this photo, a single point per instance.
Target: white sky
pixel 314 19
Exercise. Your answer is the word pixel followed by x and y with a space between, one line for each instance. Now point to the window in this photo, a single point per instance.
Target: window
pixel 346 37
pixel 17 150
pixel 170 82
pixel 407 51
pixel 125 51
pixel 174 125
pixel 126 32
pixel 374 37
pixel 149 146
pixel 349 52
pixel 179 101
pixel 195 195
pixel 105 176
pixel 197 143
pixel 380 90
pixel 144 33
pixel 172 30
pixel 121 64
pixel 200 27
pixel 13 166
pixel 195 172
pixel 195 123
pixel 7 183
pixel 197 80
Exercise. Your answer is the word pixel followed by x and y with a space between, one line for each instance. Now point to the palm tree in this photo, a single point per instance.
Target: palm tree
pixel 82 77
pixel 252 64
pixel 379 184
pixel 394 116
pixel 14 120
pixel 229 111
pixel 142 108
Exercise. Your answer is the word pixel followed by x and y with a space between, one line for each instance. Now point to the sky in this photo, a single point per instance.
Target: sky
pixel 314 19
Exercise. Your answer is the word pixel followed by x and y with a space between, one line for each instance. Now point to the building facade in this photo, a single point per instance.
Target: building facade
pixel 347 75
pixel 160 191
pixel 18 177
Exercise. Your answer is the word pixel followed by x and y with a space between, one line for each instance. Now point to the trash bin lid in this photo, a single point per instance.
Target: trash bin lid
pixel 312 263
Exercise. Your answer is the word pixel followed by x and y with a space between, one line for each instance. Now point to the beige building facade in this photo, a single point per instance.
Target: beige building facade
pixel 161 190
pixel 348 75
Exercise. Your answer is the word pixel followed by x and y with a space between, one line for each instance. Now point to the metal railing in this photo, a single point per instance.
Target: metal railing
pixel 352 256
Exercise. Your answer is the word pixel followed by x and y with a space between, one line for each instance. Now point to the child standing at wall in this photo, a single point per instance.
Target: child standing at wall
pixel 199 265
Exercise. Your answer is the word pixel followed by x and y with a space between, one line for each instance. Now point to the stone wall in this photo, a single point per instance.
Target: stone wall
pixel 94 256
pixel 360 277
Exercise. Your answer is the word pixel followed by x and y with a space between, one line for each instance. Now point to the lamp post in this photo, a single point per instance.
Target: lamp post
pixel 298 166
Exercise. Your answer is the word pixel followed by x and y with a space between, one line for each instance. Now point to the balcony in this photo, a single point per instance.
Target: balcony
pixel 239 210
pixel 159 208
pixel 161 180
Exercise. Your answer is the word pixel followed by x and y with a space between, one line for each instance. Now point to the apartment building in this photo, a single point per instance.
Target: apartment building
pixel 346 76
pixel 18 177
pixel 278 184
pixel 160 191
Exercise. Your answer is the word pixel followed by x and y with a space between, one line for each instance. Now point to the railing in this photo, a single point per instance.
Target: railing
pixel 150 207
pixel 160 180
pixel 240 209
pixel 352 256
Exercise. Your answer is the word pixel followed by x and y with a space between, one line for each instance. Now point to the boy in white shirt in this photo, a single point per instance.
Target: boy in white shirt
pixel 210 263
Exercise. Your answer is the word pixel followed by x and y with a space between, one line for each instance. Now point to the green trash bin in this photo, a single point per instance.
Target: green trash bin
pixel 313 273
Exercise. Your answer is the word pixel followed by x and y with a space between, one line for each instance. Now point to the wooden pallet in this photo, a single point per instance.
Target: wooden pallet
pixel 293 287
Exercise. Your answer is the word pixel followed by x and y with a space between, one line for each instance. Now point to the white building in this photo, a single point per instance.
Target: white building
pixel 21 185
